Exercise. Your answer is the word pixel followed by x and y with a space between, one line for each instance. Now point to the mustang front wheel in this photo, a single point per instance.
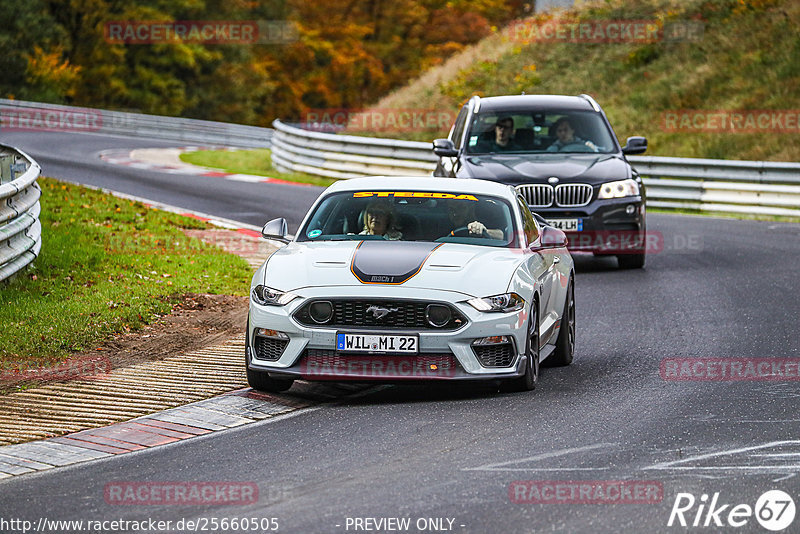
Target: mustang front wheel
pixel 527 382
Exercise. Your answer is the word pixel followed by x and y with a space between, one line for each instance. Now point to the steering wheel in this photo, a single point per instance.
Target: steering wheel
pixel 581 146
pixel 463 231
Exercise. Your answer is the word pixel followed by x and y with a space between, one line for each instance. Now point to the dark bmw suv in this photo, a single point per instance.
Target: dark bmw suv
pixel 563 157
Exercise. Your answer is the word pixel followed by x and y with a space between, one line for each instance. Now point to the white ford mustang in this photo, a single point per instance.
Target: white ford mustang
pixel 419 278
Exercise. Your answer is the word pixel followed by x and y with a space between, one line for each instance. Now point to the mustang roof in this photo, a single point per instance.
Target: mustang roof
pixel 423 183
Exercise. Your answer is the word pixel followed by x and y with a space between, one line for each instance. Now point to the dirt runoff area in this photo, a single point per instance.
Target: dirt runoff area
pixel 196 320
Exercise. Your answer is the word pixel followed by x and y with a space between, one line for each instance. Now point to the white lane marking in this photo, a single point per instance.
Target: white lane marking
pixel 785 477
pixel 544 456
pixel 674 464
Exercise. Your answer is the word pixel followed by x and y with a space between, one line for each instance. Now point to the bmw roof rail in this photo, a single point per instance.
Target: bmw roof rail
pixel 591 100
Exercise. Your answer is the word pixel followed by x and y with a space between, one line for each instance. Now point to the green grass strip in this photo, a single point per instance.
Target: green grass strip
pixel 256 162
pixel 107 266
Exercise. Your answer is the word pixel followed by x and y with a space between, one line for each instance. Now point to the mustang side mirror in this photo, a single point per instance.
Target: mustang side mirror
pixel 444 148
pixel 276 229
pixel 553 237
pixel 635 145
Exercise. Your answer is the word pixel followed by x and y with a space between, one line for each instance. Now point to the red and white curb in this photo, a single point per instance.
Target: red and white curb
pixel 167 161
pixel 230 410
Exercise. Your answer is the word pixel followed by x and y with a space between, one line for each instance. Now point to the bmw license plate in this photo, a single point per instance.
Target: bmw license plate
pixel 568 225
pixel 377 343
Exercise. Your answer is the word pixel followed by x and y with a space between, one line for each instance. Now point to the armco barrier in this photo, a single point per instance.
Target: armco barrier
pixel 756 187
pixel 17 115
pixel 20 229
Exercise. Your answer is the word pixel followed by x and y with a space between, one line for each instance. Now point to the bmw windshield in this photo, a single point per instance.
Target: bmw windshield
pixel 539 132
pixel 411 216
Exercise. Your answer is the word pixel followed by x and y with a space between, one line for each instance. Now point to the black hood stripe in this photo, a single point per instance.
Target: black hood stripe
pixel 389 262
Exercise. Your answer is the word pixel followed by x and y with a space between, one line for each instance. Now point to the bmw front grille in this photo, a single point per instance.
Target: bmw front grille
pixel 537 195
pixel 564 195
pixel 573 195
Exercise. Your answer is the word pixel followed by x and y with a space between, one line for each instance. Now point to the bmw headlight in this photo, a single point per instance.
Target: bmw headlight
pixel 619 189
pixel 266 296
pixel 507 302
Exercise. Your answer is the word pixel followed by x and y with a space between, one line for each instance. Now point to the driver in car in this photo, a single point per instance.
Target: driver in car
pixel 465 224
pixel 565 133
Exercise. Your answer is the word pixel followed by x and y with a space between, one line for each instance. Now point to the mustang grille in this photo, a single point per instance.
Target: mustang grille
pixel 537 195
pixel 495 355
pixel 573 195
pixel 269 349
pixel 403 314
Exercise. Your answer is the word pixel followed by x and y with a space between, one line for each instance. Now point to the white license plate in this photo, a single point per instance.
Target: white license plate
pixel 568 225
pixel 377 343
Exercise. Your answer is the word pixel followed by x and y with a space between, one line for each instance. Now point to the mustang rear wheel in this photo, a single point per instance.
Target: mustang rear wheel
pixel 527 382
pixel 565 344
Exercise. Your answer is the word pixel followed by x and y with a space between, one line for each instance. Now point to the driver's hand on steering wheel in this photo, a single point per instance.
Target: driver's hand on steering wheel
pixel 476 228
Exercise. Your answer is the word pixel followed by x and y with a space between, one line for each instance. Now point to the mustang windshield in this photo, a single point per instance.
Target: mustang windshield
pixel 411 216
pixel 538 131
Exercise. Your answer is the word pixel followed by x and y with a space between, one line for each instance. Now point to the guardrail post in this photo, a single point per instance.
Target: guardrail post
pixel 6 175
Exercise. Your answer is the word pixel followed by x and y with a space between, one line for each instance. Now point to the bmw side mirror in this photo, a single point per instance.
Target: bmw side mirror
pixel 635 145
pixel 276 229
pixel 553 238
pixel 444 148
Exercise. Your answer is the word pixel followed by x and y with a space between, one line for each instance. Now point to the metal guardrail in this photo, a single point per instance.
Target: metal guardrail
pixel 756 187
pixel 19 115
pixel 20 229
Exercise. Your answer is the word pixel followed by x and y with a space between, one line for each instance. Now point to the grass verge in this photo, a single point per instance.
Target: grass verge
pixel 107 266
pixel 257 162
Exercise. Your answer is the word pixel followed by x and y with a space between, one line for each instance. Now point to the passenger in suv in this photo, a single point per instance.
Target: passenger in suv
pixel 584 185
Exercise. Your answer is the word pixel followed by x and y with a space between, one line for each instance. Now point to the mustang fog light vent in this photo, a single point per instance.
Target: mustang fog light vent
pixel 274 334
pixel 494 351
pixel 492 340
pixel 438 315
pixel 321 312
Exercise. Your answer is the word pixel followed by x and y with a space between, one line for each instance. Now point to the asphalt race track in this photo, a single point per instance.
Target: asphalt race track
pixel 718 288
pixel 74 158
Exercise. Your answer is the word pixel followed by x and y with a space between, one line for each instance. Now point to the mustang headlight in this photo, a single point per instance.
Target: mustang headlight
pixel 507 302
pixel 267 296
pixel 619 189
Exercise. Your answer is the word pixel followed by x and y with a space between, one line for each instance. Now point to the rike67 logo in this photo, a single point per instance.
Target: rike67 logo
pixel 774 510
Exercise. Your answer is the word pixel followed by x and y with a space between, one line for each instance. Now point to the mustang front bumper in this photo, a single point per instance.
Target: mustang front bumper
pixel 280 345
